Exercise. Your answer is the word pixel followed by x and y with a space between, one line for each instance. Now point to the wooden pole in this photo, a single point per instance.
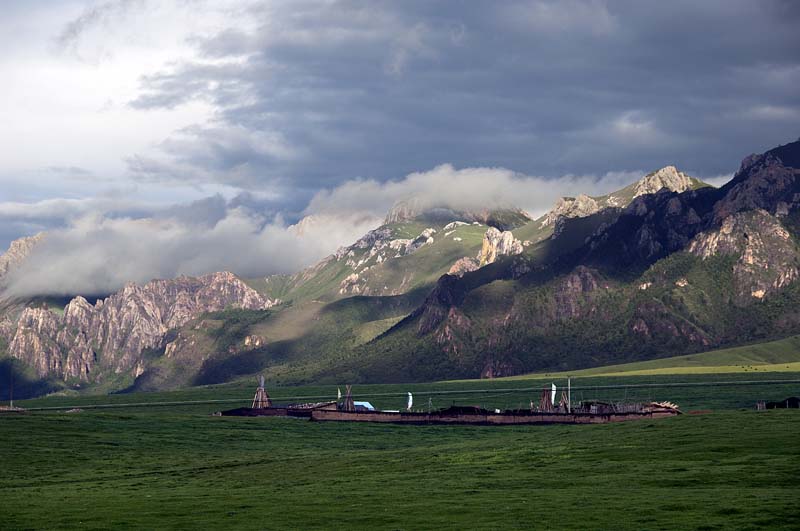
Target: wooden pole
pixel 569 395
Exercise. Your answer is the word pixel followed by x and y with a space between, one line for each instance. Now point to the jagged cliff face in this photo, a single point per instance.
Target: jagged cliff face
pixel 495 244
pixel 87 342
pixel 770 181
pixel 498 243
pixel 13 258
pixel 767 257
pixel 16 254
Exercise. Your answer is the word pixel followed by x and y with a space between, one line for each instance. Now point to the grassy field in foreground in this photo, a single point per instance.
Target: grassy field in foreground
pixel 175 466
pixel 773 356
pixel 161 469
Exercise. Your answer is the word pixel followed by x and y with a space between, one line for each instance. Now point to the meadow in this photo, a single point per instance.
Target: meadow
pixel 176 466
pixel 782 355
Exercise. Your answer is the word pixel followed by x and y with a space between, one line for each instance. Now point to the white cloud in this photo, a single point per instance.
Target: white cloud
pixel 96 254
pixel 71 70
pixel 467 188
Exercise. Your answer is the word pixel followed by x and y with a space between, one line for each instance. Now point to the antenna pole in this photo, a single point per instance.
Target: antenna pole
pixel 569 394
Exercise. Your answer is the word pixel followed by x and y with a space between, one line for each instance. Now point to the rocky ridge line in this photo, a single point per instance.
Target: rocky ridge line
pixel 668 177
pixel 88 340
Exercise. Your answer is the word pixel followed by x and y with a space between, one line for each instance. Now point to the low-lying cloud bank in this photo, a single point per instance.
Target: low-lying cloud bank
pixel 99 254
pixel 100 246
pixel 468 188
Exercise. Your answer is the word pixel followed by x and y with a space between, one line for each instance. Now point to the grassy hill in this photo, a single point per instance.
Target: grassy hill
pixel 772 356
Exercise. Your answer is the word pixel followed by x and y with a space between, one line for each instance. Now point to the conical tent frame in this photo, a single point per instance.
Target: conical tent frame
pixel 348 404
pixel 261 400
pixel 546 401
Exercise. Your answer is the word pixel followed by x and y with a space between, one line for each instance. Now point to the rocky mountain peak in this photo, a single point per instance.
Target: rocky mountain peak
pixel 770 181
pixel 77 311
pixel 404 210
pixel 502 217
pixel 17 252
pixel 785 155
pixel 667 177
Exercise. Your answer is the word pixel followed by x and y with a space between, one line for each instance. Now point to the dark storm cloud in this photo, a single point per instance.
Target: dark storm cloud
pixel 323 92
pixel 338 109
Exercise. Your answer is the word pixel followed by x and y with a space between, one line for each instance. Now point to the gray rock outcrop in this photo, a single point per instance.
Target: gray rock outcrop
pixel 667 177
pixel 571 207
pixel 498 243
pixel 89 340
pixel 767 256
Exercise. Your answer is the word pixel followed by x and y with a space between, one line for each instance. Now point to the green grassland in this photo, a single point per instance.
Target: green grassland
pixel 178 467
pixel 771 356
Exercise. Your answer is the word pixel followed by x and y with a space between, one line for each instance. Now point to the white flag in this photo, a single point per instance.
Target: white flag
pixel 338 394
pixel 410 401
pixel 553 394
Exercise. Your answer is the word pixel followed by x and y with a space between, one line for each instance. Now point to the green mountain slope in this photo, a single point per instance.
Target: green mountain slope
pixel 392 259
pixel 782 355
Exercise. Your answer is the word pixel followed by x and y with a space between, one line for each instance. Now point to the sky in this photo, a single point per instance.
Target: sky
pixel 154 138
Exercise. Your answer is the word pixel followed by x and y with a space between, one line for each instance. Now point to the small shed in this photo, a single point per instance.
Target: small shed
pixel 363 406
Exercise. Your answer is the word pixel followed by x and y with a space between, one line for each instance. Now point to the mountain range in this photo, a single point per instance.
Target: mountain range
pixel 665 266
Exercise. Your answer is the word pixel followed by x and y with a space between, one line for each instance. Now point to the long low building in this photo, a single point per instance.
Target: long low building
pixel 474 415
